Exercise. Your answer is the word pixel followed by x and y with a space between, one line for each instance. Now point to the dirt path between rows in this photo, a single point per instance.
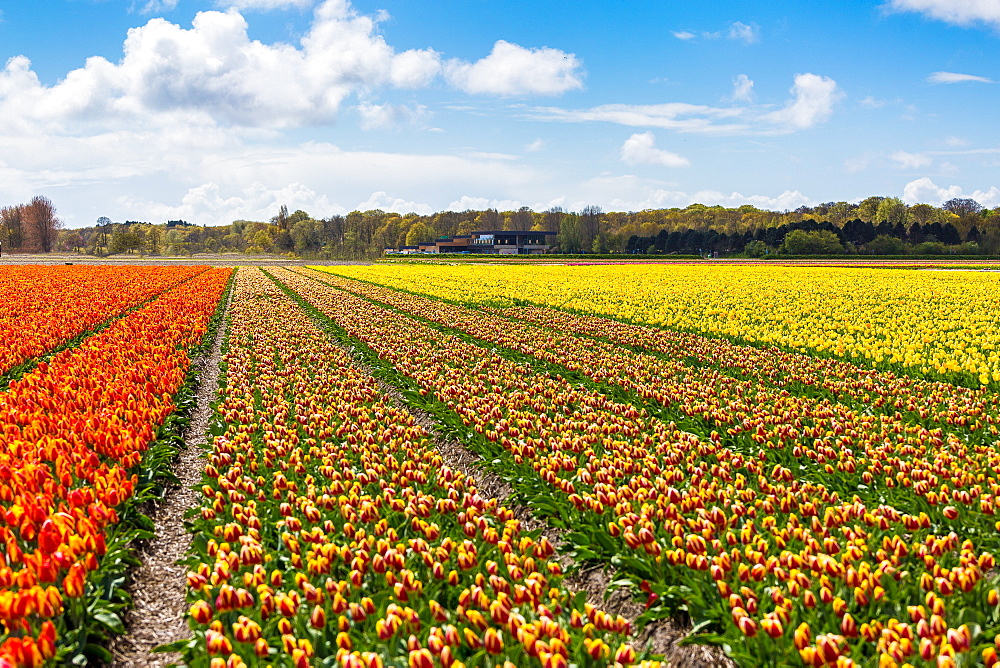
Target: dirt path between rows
pixel 158 587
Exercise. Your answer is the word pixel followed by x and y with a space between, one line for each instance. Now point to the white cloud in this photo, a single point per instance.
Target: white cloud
pixel 154 6
pixel 906 160
pixel 741 32
pixel 959 12
pixel 415 68
pixel 535 146
pixel 466 203
pixel 640 149
pixel 215 71
pixel 487 155
pixel 381 200
pixel 923 190
pixel 742 89
pixel 872 102
pixel 512 70
pixel 814 97
pixel 956 142
pixel 211 202
pixel 678 116
pixel 737 31
pixel 382 116
pixel 264 5
pixel 631 193
pixel 858 163
pixel 955 77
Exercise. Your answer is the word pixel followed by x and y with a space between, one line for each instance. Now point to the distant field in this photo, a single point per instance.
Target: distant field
pixel 922 322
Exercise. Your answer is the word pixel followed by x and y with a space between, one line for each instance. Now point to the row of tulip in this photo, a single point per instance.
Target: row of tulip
pixel 896 460
pixel 770 562
pixel 886 391
pixel 333 533
pixel 937 324
pixel 45 307
pixel 72 436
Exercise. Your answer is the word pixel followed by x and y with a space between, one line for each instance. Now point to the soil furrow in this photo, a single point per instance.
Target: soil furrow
pixel 158 586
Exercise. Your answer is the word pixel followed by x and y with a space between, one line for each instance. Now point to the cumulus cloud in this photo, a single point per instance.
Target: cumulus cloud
pixel 958 12
pixel 925 191
pixel 214 73
pixel 535 146
pixel 814 97
pixel 215 70
pixel 640 149
pixel 512 70
pixel 742 89
pixel 684 35
pixel 955 77
pixel 813 100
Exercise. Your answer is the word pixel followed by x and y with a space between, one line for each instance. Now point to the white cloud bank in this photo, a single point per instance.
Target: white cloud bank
pixel 213 73
pixel 640 149
pixel 923 190
pixel 632 193
pixel 182 122
pixel 813 100
pixel 958 12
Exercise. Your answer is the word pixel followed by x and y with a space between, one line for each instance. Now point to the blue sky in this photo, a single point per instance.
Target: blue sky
pixel 214 111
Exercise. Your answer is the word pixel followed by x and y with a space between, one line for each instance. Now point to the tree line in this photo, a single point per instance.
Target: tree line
pixel 876 225
pixel 32 227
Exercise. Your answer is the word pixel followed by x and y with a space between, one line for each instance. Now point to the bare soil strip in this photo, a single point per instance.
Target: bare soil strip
pixel 158 587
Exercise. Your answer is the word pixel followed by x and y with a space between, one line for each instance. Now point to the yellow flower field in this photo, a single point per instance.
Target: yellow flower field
pixel 932 321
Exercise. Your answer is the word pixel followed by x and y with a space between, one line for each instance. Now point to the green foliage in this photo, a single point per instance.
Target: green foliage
pixel 883 244
pixel 757 249
pixel 801 242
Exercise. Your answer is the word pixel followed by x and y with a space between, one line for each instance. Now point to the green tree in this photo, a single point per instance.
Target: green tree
pixel 890 210
pixel 884 244
pixel 868 207
pixel 818 242
pixel 418 232
pixel 757 248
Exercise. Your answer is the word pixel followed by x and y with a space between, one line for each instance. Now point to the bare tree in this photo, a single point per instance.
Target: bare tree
pixel 41 226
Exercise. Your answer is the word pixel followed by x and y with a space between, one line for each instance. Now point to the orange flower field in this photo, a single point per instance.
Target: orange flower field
pixel 48 306
pixel 73 432
pixel 399 478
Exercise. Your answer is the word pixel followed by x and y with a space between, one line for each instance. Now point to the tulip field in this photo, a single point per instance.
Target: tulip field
pixel 796 466
pixel 74 430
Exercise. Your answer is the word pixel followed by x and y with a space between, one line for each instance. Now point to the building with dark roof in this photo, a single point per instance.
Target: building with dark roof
pixel 485 242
